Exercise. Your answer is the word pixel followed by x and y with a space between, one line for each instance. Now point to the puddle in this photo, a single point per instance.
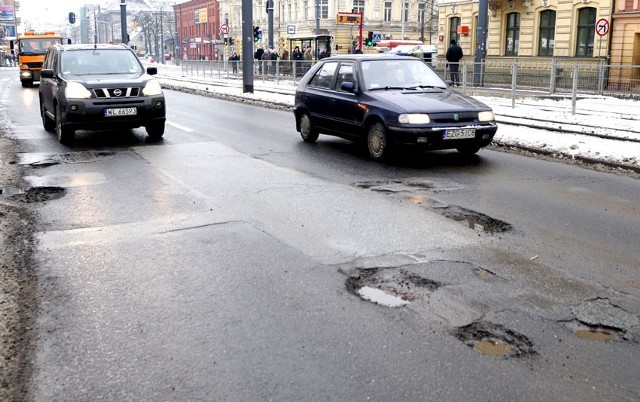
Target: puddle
pixel 69 180
pixel 10 191
pixel 492 347
pixel 389 287
pixel 596 334
pixel 494 340
pixel 41 159
pixel 474 220
pixel 40 194
pixel 380 297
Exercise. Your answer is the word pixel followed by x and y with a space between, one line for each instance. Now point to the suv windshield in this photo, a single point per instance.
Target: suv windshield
pixel 99 62
pixel 409 73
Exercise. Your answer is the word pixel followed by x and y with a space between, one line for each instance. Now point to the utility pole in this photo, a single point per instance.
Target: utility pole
pixel 270 22
pixel 317 18
pixel 161 35
pixel 247 46
pixel 481 49
pixel 123 21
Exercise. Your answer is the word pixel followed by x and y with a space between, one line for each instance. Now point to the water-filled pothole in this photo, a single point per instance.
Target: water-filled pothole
pixel 474 220
pixel 389 287
pixel 493 347
pixel 594 332
pixel 40 194
pixel 494 340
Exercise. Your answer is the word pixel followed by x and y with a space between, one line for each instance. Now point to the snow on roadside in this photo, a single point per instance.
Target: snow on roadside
pixel 606 115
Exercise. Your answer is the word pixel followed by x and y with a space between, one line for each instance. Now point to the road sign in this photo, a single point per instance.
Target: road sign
pixel 292 29
pixel 377 37
pixel 224 29
pixel 602 27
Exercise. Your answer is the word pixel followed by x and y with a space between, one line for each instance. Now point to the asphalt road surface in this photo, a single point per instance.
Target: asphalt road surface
pixel 232 261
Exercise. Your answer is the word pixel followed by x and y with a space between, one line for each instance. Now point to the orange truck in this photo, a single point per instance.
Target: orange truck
pixel 30 48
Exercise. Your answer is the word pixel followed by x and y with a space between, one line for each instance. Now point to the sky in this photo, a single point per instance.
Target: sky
pixel 604 115
pixel 44 14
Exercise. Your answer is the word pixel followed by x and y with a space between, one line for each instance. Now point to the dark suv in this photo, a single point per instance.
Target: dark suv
pixel 97 87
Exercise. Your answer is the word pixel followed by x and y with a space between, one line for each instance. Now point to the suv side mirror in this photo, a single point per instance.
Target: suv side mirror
pixel 152 70
pixel 46 73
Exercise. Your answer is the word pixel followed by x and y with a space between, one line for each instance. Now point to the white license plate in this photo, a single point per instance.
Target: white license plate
pixel 125 111
pixel 459 133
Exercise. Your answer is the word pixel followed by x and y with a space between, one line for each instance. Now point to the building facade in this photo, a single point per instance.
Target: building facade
pixel 625 42
pixel 387 19
pixel 529 28
pixel 198 29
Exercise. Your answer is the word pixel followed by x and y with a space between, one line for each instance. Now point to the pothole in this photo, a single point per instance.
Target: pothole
pixel 39 194
pixel 40 160
pixel 594 332
pixel 389 287
pixel 474 220
pixel 494 340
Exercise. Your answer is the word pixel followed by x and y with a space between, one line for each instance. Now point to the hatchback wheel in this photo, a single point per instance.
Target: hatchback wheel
pixel 307 132
pixel 377 142
pixel 65 134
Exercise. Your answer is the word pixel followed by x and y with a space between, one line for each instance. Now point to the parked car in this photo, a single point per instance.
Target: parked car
pixel 97 87
pixel 389 100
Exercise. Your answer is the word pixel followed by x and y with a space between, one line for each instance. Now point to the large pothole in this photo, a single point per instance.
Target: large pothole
pixel 474 220
pixel 389 287
pixel 39 194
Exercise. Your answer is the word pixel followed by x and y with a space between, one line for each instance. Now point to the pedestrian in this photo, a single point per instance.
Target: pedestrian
pixel 453 56
pixel 235 59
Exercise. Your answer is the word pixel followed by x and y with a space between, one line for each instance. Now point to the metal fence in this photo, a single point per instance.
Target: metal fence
pixel 551 77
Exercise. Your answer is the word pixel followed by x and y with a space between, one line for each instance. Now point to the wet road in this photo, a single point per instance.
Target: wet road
pixel 231 261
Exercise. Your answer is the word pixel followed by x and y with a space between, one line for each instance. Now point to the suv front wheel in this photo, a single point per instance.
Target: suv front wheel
pixel 47 123
pixel 155 130
pixel 65 134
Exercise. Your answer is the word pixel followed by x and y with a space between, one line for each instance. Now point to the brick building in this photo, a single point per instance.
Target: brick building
pixel 198 26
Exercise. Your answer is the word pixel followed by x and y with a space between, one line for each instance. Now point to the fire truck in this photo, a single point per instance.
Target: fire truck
pixel 30 48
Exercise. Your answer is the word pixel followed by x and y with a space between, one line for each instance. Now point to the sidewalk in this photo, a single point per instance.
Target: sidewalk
pixel 611 126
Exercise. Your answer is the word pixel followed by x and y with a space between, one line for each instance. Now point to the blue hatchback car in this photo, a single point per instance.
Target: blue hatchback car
pixel 389 100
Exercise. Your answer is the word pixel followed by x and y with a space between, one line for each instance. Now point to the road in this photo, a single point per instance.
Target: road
pixel 232 261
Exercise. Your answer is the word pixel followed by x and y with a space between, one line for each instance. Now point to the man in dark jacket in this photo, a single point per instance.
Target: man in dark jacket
pixel 454 55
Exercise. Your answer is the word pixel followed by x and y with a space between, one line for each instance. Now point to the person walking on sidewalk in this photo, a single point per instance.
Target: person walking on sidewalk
pixel 453 56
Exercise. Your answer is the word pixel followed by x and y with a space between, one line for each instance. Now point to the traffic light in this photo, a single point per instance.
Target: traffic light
pixel 72 18
pixel 369 39
pixel 256 34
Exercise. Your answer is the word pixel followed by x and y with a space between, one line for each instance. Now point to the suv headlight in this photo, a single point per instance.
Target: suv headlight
pixel 486 116
pixel 152 88
pixel 75 90
pixel 414 118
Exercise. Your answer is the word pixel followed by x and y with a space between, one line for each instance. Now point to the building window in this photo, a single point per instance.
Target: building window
pixel 547 32
pixel 289 14
pixel 513 34
pixel 305 11
pixel 324 9
pixel 358 6
pixel 586 31
pixel 421 13
pixel 453 29
pixel 387 11
pixel 405 12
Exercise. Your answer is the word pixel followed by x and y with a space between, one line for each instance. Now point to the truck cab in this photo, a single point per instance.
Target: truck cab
pixel 30 48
